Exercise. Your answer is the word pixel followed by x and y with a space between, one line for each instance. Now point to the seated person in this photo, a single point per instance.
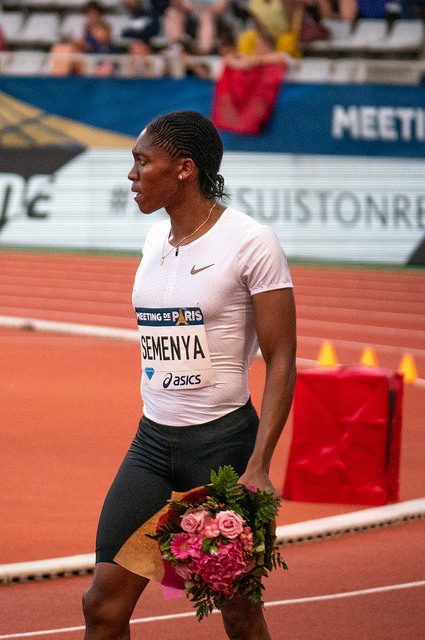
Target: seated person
pixel 144 25
pixel 63 60
pixel 103 44
pixel 277 26
pixel 372 8
pixel 312 27
pixel 205 13
pixel 339 9
pixel 96 38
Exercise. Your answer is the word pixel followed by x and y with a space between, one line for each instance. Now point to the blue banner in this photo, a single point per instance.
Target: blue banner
pixel 323 119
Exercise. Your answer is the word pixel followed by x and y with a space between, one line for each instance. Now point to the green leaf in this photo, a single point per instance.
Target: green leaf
pixel 227 489
pixel 209 545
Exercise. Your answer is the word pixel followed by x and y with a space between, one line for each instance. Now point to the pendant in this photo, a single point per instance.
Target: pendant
pixel 161 262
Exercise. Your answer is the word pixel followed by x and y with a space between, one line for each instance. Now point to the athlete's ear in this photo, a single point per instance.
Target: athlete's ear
pixel 186 168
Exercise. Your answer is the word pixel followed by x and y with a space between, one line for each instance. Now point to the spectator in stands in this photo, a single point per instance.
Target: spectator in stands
pixel 312 27
pixel 145 24
pixel 85 41
pixel 407 8
pixel 206 14
pixel 417 11
pixel 103 44
pixel 64 58
pixel 3 40
pixel 318 8
pixel 277 26
pixel 372 8
pixel 343 9
pixel 380 9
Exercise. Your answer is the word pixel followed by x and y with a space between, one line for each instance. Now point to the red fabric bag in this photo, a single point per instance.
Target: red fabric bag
pixel 346 436
pixel 244 99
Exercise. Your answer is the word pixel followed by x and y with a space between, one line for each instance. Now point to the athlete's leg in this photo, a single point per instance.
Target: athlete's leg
pixel 244 620
pixel 226 441
pixel 139 490
pixel 110 601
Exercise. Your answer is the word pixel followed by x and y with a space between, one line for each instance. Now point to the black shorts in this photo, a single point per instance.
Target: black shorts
pixel 162 459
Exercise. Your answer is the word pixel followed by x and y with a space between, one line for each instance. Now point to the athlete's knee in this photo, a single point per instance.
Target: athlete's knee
pixel 94 608
pixel 110 601
pixel 236 628
pixel 245 621
pixel 103 614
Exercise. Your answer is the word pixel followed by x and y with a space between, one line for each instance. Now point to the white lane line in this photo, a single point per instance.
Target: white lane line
pixel 347 594
pixel 275 603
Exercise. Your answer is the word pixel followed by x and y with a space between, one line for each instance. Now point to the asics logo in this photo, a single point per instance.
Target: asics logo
pixel 194 270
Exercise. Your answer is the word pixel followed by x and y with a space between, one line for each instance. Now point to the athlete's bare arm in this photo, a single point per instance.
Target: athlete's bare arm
pixel 274 313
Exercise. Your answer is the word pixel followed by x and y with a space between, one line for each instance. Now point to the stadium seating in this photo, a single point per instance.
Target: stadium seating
pixel 339 31
pixel 12 22
pixel 68 5
pixel 71 24
pixel 405 36
pixel 39 29
pixel 365 32
pixel 35 25
pixel 371 37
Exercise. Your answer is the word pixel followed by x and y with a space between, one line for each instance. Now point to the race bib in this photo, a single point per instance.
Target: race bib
pixel 175 352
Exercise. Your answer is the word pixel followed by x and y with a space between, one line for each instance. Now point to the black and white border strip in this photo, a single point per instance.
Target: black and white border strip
pixel 354 522
pixel 299 532
pixel 34 324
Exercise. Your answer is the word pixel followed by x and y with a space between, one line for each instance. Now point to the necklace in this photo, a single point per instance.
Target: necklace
pixel 177 247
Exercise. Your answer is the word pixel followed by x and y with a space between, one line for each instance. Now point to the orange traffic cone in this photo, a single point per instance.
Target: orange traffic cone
pixel 408 368
pixel 327 355
pixel 368 357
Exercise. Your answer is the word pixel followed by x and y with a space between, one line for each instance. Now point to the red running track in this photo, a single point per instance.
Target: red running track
pixel 368 586
pixel 71 405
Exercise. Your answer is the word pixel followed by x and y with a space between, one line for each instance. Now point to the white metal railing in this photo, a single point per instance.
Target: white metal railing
pixel 169 64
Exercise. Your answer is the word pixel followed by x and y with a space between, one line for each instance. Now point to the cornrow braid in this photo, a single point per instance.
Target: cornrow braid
pixel 188 134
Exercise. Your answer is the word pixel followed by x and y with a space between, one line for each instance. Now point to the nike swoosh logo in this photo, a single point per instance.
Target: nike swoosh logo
pixel 194 270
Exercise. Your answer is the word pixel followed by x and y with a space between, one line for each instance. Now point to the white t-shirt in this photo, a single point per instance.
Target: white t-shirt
pixel 195 316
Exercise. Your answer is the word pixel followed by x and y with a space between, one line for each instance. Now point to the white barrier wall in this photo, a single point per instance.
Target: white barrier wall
pixel 321 207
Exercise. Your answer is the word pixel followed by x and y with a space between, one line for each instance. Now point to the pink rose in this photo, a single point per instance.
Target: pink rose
pixel 230 524
pixel 193 520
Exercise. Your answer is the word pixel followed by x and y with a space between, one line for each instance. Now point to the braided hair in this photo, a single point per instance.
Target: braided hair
pixel 188 134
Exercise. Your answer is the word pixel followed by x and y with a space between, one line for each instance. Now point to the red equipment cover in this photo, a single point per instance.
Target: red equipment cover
pixel 346 436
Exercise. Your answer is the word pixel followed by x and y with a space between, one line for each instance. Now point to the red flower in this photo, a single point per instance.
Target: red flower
pixel 222 569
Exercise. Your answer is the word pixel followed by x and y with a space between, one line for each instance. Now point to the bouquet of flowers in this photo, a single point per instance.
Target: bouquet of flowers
pixel 220 540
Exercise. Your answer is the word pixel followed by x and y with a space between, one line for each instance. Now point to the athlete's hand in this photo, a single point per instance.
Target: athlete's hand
pixel 257 480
